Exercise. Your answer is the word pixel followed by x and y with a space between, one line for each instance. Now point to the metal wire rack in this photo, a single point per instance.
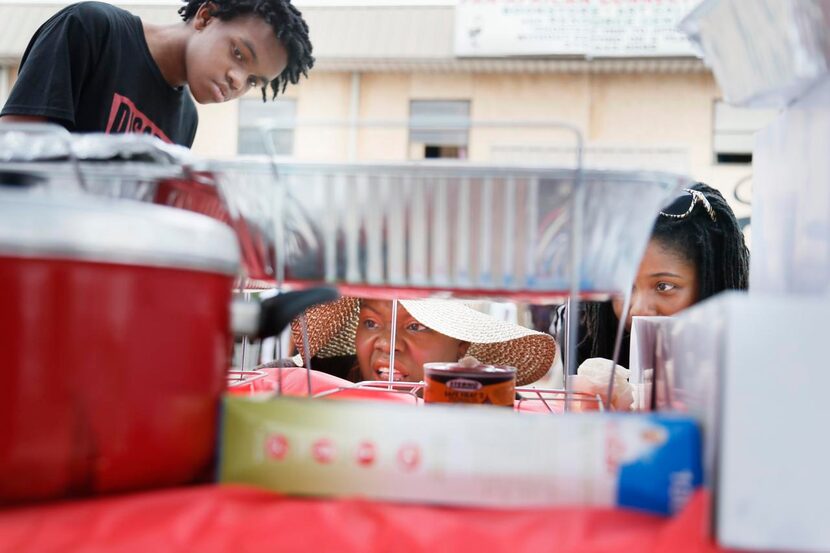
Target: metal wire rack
pixel 549 400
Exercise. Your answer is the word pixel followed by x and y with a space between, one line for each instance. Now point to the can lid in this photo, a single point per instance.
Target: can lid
pixel 41 223
pixel 465 369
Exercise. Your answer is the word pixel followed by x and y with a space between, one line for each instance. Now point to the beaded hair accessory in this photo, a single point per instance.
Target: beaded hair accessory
pixel 697 197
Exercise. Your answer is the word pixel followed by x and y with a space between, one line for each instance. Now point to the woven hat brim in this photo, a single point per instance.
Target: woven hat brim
pixel 457 320
pixel 492 341
pixel 532 356
pixel 331 328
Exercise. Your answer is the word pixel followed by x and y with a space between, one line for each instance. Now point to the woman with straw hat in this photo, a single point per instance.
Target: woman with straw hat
pixel 426 331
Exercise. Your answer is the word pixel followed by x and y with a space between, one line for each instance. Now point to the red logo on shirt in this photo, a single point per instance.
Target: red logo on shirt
pixel 126 118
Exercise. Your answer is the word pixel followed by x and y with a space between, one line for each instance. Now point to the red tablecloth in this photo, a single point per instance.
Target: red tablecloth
pixel 240 519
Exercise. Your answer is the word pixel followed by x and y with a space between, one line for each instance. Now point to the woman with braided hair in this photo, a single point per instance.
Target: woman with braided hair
pixel 696 250
pixel 94 67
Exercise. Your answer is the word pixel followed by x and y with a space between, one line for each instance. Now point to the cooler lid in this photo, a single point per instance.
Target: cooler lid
pixel 37 223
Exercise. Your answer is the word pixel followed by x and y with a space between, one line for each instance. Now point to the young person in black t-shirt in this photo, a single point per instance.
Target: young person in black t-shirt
pixel 94 67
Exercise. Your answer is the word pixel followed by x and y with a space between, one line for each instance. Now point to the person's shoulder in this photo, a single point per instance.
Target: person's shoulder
pixel 95 14
pixel 93 8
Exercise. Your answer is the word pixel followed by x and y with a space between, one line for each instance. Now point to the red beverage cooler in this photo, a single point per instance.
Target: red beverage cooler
pixel 115 338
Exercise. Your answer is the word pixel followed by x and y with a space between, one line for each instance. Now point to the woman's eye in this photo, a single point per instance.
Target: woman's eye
pixel 237 53
pixel 370 324
pixel 416 327
pixel 252 81
pixel 665 287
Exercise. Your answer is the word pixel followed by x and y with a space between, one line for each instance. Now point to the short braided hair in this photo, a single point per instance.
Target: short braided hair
pixel 287 22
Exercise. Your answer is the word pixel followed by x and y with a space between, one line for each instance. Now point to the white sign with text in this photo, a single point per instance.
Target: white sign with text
pixel 590 28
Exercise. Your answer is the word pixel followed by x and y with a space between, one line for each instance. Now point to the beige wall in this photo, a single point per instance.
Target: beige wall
pixel 325 97
pixel 216 135
pixel 537 99
pixel 663 110
pixel 384 97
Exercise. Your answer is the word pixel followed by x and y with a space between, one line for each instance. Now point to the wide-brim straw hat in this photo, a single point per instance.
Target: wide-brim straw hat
pixel 332 328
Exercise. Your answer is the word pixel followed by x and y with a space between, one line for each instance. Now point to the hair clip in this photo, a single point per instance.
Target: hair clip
pixel 697 196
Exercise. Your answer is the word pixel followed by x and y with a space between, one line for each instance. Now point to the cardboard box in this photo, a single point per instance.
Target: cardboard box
pixel 456 455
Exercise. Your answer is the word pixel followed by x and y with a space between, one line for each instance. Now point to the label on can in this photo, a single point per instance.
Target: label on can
pixel 452 384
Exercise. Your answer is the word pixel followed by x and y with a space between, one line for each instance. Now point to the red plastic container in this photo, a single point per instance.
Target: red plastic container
pixel 114 344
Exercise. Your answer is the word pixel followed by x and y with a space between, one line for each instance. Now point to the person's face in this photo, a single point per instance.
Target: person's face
pixel 666 283
pixel 225 59
pixel 415 344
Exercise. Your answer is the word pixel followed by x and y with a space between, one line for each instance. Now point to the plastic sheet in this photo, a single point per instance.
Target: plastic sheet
pixel 791 200
pixel 764 53
pixel 411 229
pixel 30 143
pixel 295 383
pixel 763 409
pixel 232 518
pixel 386 230
pixel 126 166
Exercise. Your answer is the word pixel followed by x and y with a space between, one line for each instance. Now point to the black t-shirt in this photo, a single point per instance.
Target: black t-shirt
pixel 89 68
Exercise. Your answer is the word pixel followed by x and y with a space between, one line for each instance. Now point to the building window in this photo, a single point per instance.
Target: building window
pixel 734 131
pixel 439 129
pixel 279 114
